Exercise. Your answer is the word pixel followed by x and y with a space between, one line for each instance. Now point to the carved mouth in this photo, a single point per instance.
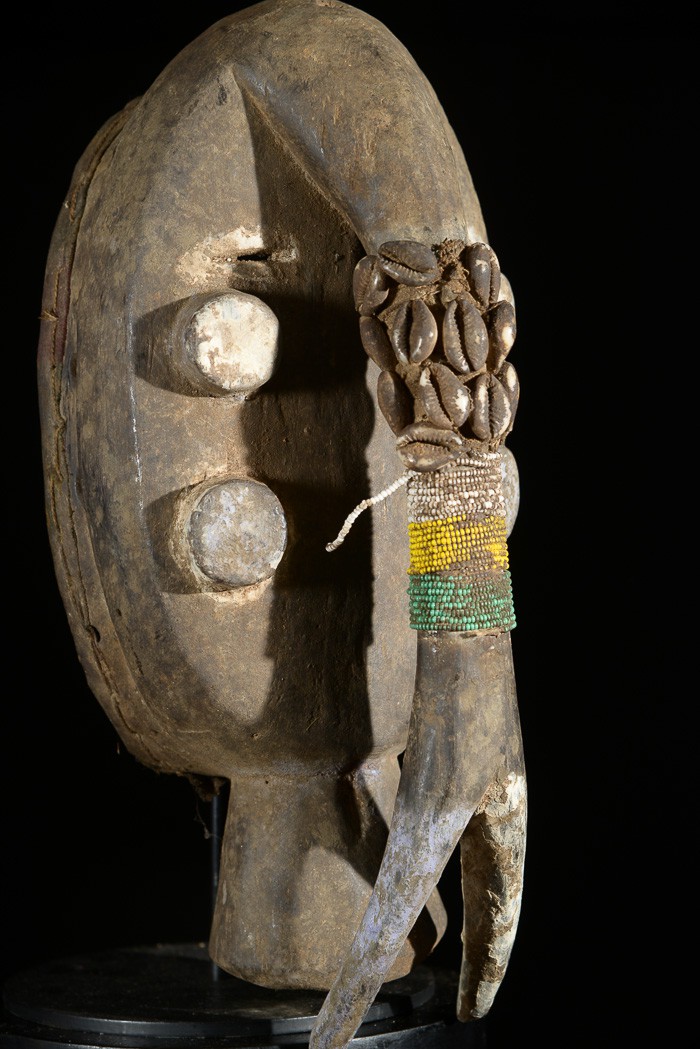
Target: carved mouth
pixel 424 447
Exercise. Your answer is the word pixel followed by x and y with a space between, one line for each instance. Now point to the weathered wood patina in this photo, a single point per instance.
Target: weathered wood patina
pixel 209 418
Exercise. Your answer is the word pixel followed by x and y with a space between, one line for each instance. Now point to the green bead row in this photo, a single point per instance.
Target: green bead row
pixel 447 602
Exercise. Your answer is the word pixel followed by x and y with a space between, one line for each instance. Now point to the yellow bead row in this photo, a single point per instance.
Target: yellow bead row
pixel 452 541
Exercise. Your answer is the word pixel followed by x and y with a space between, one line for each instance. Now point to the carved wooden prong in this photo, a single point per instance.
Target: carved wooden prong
pixel 448 767
pixel 493 858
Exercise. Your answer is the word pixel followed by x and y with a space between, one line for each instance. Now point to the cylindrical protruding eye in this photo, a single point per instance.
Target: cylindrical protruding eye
pixel 234 530
pixel 227 344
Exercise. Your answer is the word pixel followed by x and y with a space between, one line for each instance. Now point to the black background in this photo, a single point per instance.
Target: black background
pixel 575 124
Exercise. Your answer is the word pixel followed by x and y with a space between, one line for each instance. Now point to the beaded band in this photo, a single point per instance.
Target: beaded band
pixel 458 574
pixel 451 542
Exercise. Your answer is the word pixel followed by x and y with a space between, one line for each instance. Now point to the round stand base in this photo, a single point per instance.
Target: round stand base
pixel 174 996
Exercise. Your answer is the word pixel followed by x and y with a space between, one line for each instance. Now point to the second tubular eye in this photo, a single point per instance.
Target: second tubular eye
pixel 229 533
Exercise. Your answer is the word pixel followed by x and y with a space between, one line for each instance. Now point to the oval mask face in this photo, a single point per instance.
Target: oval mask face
pixel 221 427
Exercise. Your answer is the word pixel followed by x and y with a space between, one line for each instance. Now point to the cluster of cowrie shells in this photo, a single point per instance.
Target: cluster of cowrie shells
pixel 434 322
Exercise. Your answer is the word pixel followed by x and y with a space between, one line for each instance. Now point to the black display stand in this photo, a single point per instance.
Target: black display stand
pixel 171 996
